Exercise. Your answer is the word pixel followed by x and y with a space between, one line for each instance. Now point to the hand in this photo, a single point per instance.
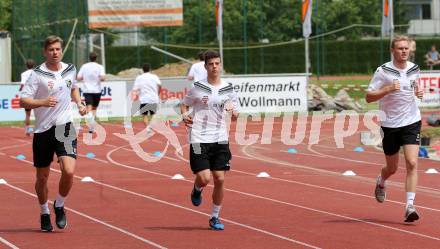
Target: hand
pixel 82 109
pixel 187 119
pixel 418 92
pixel 229 106
pixel 395 86
pixel 51 101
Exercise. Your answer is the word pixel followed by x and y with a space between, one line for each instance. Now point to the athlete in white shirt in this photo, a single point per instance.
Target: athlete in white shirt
pixel 212 100
pixel 49 91
pixel 197 71
pixel 92 74
pixel 24 77
pixel 146 88
pixel 395 85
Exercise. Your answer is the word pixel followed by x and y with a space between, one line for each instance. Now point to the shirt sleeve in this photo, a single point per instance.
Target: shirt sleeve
pixel 136 84
pixel 377 81
pixel 189 99
pixel 191 71
pixel 80 73
pixel 234 99
pixel 30 86
pixel 74 81
pixel 102 71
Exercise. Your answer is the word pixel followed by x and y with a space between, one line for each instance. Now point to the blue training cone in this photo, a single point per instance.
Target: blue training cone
pixel 90 155
pixel 292 150
pixel 20 157
pixel 157 153
pixel 359 149
pixel 174 124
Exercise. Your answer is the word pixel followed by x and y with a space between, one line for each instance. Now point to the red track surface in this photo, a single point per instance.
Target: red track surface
pixel 306 203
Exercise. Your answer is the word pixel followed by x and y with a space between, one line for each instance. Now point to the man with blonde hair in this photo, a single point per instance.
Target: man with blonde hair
pixel 395 86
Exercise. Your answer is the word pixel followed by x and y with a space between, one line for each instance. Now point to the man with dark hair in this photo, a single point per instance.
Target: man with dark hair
pixel 92 74
pixel 146 88
pixel 49 90
pixel 395 86
pixel 198 71
pixel 24 77
pixel 213 100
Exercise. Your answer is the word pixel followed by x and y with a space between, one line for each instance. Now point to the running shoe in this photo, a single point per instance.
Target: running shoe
pixel 411 214
pixel 380 192
pixel 196 197
pixel 46 225
pixel 60 217
pixel 215 224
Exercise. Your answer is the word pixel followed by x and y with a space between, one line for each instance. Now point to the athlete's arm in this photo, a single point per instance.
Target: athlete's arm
pixel 30 103
pixel 375 95
pixel 77 99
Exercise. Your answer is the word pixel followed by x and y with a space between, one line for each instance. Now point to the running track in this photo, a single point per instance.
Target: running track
pixel 306 203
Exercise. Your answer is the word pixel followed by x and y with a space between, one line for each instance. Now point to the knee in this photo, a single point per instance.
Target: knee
pixel 68 173
pixel 204 180
pixel 219 180
pixel 411 165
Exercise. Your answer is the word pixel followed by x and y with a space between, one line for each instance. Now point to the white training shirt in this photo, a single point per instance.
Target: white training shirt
pixel 209 122
pixel 400 107
pixel 24 77
pixel 198 71
pixel 90 73
pixel 41 83
pixel 148 86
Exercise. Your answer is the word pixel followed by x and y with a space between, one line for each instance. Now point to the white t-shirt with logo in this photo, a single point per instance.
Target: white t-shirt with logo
pixel 90 73
pixel 198 71
pixel 209 116
pixel 148 86
pixel 400 107
pixel 43 82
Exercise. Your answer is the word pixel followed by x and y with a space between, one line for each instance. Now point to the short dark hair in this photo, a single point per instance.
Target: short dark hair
pixel 51 40
pixel 201 55
pixel 211 54
pixel 93 56
pixel 146 67
pixel 30 63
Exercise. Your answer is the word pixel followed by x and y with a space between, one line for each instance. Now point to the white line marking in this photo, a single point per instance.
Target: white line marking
pixel 96 220
pixel 94 158
pixel 8 243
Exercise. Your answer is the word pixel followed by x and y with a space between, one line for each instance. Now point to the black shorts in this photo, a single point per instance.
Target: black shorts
pixel 212 156
pixel 148 109
pixel 393 138
pixel 46 143
pixel 92 99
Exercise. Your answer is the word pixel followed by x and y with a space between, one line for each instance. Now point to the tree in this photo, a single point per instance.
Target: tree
pixel 5 14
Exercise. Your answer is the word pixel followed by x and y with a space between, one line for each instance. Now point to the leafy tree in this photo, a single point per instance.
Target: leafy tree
pixel 5 14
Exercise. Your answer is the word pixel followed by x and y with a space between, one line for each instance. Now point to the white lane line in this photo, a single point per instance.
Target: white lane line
pixel 8 243
pixel 182 207
pixel 309 209
pixel 94 158
pixel 96 220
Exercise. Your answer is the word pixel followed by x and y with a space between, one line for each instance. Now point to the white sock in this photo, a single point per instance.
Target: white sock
pixel 381 181
pixel 410 196
pixel 59 201
pixel 215 210
pixel 45 208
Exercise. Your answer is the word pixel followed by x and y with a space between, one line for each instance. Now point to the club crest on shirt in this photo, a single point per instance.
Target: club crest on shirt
pixel 68 83
pixel 205 100
pixel 50 85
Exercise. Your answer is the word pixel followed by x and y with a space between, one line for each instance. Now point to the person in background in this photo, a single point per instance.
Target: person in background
pixel 92 74
pixel 24 77
pixel 197 71
pixel 432 57
pixel 146 89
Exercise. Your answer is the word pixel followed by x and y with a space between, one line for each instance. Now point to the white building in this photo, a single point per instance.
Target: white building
pixel 424 16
